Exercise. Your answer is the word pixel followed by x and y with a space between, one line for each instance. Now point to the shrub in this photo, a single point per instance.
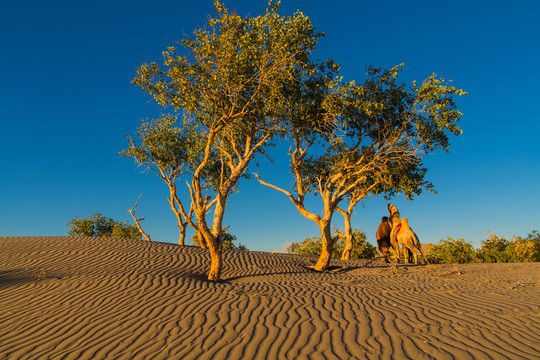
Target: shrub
pixel 495 250
pixel 527 249
pixel 518 249
pixel 450 251
pixel 226 242
pixel 99 225
pixel 361 248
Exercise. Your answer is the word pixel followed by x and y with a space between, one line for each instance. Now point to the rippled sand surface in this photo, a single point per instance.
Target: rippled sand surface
pixel 96 298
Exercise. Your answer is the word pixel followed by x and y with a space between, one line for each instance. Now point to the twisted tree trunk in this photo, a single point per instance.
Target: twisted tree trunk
pixel 349 239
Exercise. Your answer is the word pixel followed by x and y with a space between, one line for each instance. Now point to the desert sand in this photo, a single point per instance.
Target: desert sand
pixel 95 298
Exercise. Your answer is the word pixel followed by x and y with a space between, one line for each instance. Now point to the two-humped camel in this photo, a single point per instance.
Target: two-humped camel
pixel 403 234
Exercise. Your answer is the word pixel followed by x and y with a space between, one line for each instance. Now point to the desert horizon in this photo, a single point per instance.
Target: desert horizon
pixel 109 298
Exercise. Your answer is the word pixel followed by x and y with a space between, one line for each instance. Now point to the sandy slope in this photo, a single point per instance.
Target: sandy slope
pixel 87 298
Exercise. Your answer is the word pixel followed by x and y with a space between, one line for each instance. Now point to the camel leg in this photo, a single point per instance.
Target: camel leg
pixel 405 254
pixel 415 255
pixel 424 256
pixel 395 246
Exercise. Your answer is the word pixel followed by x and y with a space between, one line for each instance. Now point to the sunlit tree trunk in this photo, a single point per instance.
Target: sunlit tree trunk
pixel 326 235
pixel 173 201
pixel 216 260
pixel 349 240
pixel 327 246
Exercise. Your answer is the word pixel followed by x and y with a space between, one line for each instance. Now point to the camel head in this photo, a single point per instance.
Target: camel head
pixel 392 210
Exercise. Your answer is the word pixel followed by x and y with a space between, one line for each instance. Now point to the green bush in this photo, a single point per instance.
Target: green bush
pixel 450 251
pixel 527 249
pixel 99 225
pixel 493 250
pixel 361 248
pixel 226 242
pixel 499 250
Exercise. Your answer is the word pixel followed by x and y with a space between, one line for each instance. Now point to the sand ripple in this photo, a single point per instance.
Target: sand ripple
pixel 88 298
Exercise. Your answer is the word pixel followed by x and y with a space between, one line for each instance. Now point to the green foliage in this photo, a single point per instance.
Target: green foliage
pixel 164 145
pixel 229 80
pixel 101 226
pixel 227 242
pixel 307 246
pixel 451 251
pixel 233 79
pixel 493 250
pixel 242 82
pixel 361 248
pixel 172 149
pixel 527 249
pixel 499 250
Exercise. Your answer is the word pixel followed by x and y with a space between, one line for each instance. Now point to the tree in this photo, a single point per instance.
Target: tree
pixel 371 139
pixel 101 226
pixel 169 152
pixel 229 82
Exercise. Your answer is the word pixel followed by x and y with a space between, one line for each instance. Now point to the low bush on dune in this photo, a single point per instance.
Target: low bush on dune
pixel 102 226
pixel 227 242
pixel 361 248
pixel 499 250
pixel 493 250
pixel 451 251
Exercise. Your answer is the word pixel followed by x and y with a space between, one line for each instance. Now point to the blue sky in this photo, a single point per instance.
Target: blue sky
pixel 66 104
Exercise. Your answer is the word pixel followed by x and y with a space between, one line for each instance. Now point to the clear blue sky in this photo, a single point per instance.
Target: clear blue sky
pixel 66 104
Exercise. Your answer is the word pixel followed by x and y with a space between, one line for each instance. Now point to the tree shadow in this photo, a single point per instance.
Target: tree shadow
pixel 235 278
pixel 15 277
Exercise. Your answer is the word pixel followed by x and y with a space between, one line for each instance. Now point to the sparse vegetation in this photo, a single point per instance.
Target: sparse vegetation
pixel 493 250
pixel 227 242
pixel 451 251
pixel 361 248
pixel 101 226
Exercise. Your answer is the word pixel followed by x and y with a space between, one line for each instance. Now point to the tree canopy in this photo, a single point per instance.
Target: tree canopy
pixel 169 152
pixel 366 139
pixel 229 80
pixel 241 83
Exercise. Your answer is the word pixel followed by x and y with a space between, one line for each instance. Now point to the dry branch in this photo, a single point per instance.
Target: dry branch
pixel 132 212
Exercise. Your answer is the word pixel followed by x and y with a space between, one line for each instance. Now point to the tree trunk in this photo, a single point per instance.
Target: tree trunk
pixel 182 237
pixel 327 246
pixel 179 219
pixel 213 245
pixel 216 263
pixel 202 241
pixel 348 238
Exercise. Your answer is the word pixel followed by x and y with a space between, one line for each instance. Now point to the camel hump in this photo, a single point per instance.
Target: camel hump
pixel 405 224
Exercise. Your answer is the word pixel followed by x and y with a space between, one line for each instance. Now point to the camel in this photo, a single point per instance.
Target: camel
pixel 403 234
pixel 383 238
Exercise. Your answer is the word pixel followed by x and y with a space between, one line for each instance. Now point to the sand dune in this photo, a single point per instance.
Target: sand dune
pixel 88 298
